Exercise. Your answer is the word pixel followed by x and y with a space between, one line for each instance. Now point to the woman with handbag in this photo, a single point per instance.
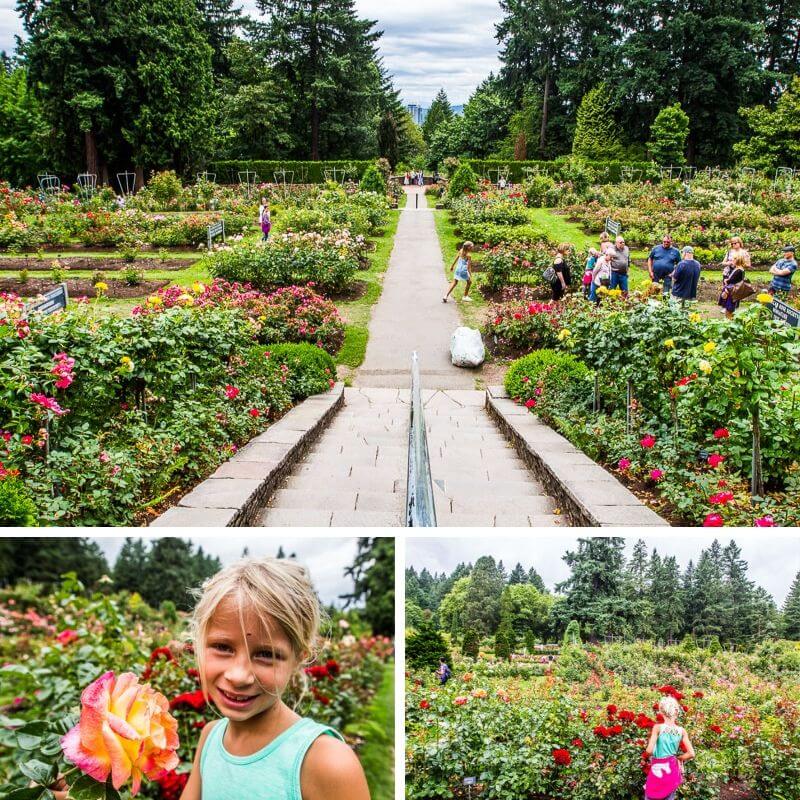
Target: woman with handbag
pixel 558 274
pixel 734 286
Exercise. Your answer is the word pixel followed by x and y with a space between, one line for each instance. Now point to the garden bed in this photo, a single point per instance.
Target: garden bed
pixel 79 287
pixel 110 264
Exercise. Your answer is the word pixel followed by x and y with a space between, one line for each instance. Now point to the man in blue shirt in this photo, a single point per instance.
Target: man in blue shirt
pixel 662 261
pixel 686 277
pixel 782 271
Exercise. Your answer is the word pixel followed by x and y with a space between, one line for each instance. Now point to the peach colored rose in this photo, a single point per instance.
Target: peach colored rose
pixel 125 730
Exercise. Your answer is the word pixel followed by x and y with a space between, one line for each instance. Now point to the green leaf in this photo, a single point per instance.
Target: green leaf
pixel 32 793
pixel 38 771
pixel 87 788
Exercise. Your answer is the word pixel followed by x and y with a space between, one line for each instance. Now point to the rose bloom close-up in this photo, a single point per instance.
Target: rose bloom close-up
pixel 125 730
pixel 246 663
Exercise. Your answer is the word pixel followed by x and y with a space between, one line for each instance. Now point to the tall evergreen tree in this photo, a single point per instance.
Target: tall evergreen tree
pixel 517 575
pixel 389 139
pixel 372 572
pixel 328 55
pixel 482 602
pixel 220 20
pixel 439 112
pixel 596 131
pixel 791 611
pixel 131 565
pixel 45 559
pixel 535 579
pixel 666 599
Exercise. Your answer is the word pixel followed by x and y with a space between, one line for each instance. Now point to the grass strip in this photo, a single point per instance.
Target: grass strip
pixel 376 727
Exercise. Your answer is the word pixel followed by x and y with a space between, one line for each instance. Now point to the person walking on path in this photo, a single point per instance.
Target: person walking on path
pixel 264 219
pixel 667 739
pixel 662 261
pixel 443 672
pixel 561 276
pixel 620 257
pixel 782 271
pixel 462 271
pixel 686 276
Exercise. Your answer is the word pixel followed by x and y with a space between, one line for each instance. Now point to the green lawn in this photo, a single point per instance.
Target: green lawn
pixel 357 313
pixel 377 728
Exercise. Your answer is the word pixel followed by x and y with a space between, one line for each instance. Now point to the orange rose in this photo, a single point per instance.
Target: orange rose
pixel 125 730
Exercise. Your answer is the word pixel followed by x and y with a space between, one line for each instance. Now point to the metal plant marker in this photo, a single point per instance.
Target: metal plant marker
pixel 87 184
pixel 127 183
pixel 49 184
pixel 206 177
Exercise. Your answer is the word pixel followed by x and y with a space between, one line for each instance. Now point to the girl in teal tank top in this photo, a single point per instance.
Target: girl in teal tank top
pixel 666 769
pixel 262 749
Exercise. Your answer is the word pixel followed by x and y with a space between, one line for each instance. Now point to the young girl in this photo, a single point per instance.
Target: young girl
pixel 666 766
pixel 254 627
pixel 462 272
pixel 264 219
pixel 588 269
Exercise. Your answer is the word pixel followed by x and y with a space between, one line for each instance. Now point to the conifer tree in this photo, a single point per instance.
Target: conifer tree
pixel 791 611
pixel 425 646
pixel 471 644
pixel 388 139
pixel 668 135
pixel 596 131
pixel 131 565
pixel 439 112
pixel 517 575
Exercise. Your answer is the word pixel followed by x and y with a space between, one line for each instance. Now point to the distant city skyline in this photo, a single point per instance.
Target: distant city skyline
pixel 424 47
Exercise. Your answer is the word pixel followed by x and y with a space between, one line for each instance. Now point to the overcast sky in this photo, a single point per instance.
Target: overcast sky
pixel 326 558
pixel 774 562
pixel 426 45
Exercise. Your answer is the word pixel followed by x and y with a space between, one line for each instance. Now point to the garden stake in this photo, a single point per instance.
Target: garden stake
pixel 757 480
pixel 628 409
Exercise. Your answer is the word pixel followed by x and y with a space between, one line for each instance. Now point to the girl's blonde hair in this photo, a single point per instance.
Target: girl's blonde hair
pixel 270 587
pixel 739 261
pixel 564 248
pixel 669 707
pixel 604 237
pixel 466 247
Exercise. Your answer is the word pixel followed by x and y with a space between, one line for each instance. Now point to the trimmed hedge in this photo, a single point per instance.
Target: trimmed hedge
pixel 607 171
pixel 227 171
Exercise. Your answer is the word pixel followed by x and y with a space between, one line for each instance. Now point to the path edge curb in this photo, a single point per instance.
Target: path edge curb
pixel 266 460
pixel 568 475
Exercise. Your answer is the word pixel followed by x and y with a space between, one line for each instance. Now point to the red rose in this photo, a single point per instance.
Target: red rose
pixel 424 704
pixel 562 757
pixel 721 433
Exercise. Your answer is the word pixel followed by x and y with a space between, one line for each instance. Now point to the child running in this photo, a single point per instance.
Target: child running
pixel 666 766
pixel 254 628
pixel 462 271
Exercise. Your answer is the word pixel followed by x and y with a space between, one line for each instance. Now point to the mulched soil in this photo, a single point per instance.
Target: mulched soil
pixel 60 248
pixel 736 791
pixel 353 291
pixel 99 264
pixel 79 287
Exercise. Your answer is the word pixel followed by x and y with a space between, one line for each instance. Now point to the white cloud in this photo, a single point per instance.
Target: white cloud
pixel 426 44
pixel 772 564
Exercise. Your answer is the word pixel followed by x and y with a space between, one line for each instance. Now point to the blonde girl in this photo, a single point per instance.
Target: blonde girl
pixel 462 271
pixel 666 767
pixel 254 628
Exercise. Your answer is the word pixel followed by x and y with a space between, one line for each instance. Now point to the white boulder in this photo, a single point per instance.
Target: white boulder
pixel 466 348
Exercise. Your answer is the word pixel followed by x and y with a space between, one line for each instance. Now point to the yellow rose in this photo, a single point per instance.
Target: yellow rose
pixel 695 317
pixel 669 343
pixel 764 298
pixel 709 347
pixel 704 367
pixel 564 333
pixel 155 301
pixel 127 363
pixel 101 287
pixel 186 299
pixel 198 288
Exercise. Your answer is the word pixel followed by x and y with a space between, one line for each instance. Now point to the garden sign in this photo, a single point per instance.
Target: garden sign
pixel 54 300
pixel 784 312
pixel 217 229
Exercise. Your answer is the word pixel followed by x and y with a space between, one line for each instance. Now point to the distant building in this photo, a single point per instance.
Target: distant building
pixel 418 113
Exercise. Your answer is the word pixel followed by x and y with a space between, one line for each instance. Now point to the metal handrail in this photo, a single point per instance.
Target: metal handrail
pixel 420 505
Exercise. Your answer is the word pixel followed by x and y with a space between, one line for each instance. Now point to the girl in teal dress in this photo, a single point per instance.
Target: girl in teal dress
pixel 666 766
pixel 254 627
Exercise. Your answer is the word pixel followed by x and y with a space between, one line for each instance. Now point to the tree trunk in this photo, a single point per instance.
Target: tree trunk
pixel 139 178
pixel 314 130
pixel 105 176
pixel 92 160
pixel 545 101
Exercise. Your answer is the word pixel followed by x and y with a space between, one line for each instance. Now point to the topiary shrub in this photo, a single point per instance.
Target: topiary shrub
pixel 311 369
pixel 425 647
pixel 572 634
pixel 502 647
pixel 714 646
pixel 464 180
pixel 545 378
pixel 17 508
pixel 373 181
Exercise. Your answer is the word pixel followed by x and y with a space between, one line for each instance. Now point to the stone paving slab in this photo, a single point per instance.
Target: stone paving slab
pixel 295 518
pixel 410 314
pixel 586 492
pixel 370 519
pixel 236 492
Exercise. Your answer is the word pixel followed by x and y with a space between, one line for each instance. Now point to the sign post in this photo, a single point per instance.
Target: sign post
pixel 217 229
pixel 469 783
pixel 613 227
pixel 52 301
